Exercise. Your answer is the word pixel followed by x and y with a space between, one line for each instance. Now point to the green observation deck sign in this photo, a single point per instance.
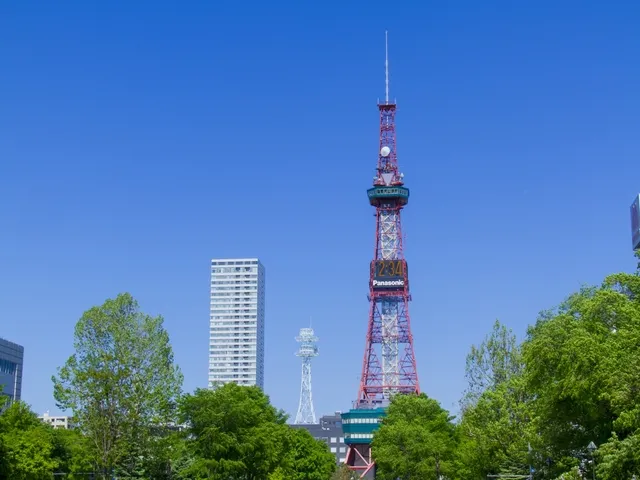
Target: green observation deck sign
pixel 394 194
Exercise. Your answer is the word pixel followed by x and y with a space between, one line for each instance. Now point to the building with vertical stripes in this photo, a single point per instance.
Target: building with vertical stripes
pixel 236 322
pixel 11 361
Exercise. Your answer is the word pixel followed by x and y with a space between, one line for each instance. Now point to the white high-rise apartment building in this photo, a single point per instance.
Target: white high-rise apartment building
pixel 236 322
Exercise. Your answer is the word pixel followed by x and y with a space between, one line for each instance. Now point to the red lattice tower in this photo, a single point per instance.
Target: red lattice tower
pixel 389 364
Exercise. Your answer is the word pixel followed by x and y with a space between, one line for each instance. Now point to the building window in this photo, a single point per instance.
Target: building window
pixel 333 450
pixel 7 367
pixel 334 440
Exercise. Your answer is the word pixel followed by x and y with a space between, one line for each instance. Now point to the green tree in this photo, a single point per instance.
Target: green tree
pixel 573 474
pixel 182 459
pixel 583 366
pixel 417 440
pixel 234 433
pixel 168 457
pixel 3 454
pixel 495 361
pixel 27 446
pixel 619 458
pixel 73 454
pixel 495 433
pixel 306 458
pixel 343 473
pixel 121 383
pixel 495 424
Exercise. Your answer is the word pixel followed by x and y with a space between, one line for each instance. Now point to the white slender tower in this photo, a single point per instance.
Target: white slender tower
pixel 307 350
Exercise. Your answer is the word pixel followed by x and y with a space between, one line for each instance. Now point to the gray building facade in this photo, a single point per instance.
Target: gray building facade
pixel 329 430
pixel 11 361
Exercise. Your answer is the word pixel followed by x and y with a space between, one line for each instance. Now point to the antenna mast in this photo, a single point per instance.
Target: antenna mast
pixel 386 66
pixel 308 349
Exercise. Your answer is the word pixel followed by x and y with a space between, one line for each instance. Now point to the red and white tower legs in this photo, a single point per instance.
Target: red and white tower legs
pixel 389 364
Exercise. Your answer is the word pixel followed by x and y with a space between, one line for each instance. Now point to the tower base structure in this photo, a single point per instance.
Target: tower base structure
pixel 358 425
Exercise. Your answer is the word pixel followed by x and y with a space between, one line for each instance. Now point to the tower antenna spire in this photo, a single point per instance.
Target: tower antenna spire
pixel 386 65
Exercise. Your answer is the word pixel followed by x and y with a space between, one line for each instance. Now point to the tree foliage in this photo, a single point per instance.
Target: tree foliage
pixel 495 433
pixel 494 430
pixel 583 366
pixel 72 451
pixel 495 361
pixel 124 391
pixel 120 383
pixel 305 458
pixel 234 432
pixel 574 380
pixel 344 473
pixel 417 440
pixel 27 445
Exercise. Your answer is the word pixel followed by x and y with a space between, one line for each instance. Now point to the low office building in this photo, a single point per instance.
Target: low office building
pixel 329 430
pixel 11 361
pixel 60 421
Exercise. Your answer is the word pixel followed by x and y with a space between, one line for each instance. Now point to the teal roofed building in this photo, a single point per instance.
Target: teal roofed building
pixel 358 426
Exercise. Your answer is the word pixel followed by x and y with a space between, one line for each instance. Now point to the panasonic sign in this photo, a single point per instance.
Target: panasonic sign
pixel 388 283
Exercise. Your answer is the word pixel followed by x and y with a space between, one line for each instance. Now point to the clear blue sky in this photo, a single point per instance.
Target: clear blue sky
pixel 140 139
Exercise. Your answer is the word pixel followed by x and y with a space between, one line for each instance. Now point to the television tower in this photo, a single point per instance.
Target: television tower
pixel 307 351
pixel 389 363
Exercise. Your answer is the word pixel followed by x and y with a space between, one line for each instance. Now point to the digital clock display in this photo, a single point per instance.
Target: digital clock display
pixel 388 274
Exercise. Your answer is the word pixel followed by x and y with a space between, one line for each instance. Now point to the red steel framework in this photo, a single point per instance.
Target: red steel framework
pixel 389 363
pixel 374 384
